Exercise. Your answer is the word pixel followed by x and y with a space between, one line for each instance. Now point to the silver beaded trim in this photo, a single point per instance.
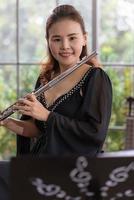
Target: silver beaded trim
pixel 55 104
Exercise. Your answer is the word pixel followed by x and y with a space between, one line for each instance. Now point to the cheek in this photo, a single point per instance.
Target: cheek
pixel 80 43
pixel 79 48
pixel 53 48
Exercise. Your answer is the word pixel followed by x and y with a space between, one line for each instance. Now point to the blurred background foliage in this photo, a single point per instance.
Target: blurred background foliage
pixel 23 46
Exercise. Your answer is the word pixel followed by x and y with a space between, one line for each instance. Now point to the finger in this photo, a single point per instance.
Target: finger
pixel 31 97
pixel 24 102
pixel 23 112
pixel 22 108
pixel 20 101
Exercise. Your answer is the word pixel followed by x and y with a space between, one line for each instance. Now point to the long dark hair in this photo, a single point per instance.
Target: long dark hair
pixel 59 13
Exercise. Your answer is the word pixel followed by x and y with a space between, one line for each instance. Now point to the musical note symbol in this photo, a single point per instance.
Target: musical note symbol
pixel 81 177
pixel 43 189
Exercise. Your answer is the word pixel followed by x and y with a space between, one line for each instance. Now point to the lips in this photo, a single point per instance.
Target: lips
pixel 65 54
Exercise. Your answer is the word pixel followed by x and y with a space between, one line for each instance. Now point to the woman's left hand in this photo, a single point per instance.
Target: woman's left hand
pixel 32 107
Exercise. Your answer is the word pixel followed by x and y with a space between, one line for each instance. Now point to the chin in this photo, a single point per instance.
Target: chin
pixel 69 61
pixel 68 64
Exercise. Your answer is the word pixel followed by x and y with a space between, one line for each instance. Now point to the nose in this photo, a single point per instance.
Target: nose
pixel 65 44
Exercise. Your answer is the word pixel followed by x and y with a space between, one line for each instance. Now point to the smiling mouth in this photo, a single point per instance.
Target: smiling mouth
pixel 65 54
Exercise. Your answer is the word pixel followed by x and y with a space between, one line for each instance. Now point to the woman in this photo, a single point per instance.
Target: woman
pixel 73 116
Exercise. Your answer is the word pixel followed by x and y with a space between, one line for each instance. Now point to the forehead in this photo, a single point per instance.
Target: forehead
pixel 65 27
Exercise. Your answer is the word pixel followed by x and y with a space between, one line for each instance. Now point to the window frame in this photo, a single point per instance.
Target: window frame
pixel 94 46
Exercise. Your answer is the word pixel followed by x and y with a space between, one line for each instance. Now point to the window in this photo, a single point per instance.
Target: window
pixel 23 46
pixel 115 44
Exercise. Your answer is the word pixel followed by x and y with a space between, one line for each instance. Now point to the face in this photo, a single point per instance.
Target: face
pixel 66 41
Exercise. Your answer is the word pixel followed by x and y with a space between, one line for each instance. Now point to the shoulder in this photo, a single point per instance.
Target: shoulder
pixel 97 79
pixel 97 73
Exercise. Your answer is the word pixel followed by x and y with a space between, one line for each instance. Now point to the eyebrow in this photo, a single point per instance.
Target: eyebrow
pixel 71 34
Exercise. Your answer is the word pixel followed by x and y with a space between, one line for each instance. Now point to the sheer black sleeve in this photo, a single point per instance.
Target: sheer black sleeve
pixel 85 133
pixel 24 143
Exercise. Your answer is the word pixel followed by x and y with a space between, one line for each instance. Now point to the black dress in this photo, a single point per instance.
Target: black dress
pixel 77 123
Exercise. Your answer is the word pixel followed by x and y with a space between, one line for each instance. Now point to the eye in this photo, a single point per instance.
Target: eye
pixel 56 39
pixel 73 38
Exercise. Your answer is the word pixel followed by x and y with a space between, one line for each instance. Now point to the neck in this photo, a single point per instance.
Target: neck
pixel 62 69
pixel 65 67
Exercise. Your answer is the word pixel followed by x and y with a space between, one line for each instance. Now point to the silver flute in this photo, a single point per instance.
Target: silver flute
pixel 9 111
